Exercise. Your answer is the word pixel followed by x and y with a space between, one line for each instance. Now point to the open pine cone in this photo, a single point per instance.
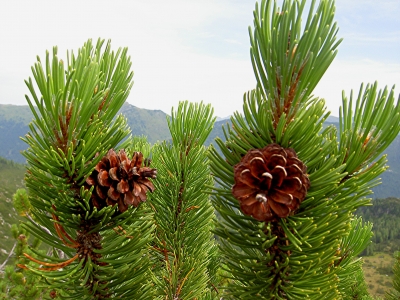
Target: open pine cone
pixel 270 183
pixel 118 180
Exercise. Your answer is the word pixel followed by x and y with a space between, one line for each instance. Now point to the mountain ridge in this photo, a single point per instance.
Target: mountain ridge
pixel 14 120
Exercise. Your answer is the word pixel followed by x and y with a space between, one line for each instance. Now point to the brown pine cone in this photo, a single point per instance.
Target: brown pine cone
pixel 118 180
pixel 270 183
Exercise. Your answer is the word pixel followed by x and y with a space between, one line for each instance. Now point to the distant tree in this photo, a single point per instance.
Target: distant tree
pixel 385 215
pixel 394 294
pixel 16 282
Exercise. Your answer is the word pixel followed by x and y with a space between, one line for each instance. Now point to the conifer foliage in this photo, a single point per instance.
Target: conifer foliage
pixel 301 248
pixel 352 284
pixel 17 283
pixel 99 251
pixel 185 253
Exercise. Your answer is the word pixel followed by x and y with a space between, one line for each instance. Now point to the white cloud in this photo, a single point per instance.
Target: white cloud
pixel 348 75
pixel 192 77
pixel 232 41
pixel 385 37
pixel 169 42
pixel 382 7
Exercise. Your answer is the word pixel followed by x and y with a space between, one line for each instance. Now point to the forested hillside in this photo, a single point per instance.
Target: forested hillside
pixel 385 215
pixel 11 179
pixel 14 122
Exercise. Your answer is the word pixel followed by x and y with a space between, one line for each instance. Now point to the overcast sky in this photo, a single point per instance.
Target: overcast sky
pixel 190 49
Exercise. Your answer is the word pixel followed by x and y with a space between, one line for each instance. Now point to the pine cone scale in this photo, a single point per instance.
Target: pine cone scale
pixel 112 158
pixel 243 191
pixel 113 173
pixel 136 189
pixel 279 209
pixel 276 160
pixel 278 175
pixel 122 186
pixel 128 198
pixel 91 180
pixel 100 192
pixel 251 200
pixel 281 197
pixel 148 184
pixel 294 171
pixel 149 172
pixel 122 206
pixel 257 166
pixel 113 194
pixel 247 178
pixel 291 185
pixel 102 178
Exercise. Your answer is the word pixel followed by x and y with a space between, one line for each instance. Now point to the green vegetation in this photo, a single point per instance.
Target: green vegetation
pixel 384 214
pixel 123 219
pixel 186 253
pixel 10 142
pixel 394 293
pixel 17 114
pixel 17 283
pixel 150 123
pixel 377 258
pixel 378 273
pixel 11 179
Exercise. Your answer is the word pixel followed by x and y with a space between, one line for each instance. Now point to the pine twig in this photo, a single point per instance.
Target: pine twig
pixel 7 259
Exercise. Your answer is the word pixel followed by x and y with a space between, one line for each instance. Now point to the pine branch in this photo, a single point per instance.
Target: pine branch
pixel 80 189
pixel 287 187
pixel 185 255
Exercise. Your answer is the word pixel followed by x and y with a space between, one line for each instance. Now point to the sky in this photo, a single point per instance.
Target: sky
pixel 189 49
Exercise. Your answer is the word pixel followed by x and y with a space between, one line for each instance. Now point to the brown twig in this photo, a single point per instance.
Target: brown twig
pixel 9 255
pixel 52 266
pixel 62 234
pixel 121 229
pixel 183 282
pixel 191 208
